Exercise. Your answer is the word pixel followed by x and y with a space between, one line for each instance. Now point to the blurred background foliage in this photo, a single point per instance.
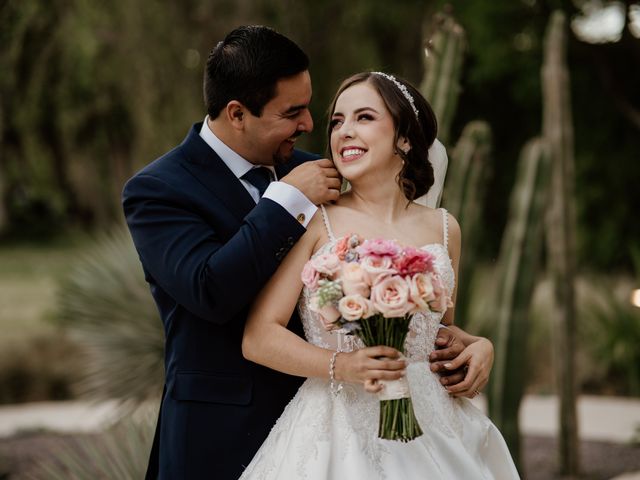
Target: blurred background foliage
pixel 93 91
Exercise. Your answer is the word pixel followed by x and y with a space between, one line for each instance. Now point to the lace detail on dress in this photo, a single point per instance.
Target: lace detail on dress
pixel 321 435
pixel 423 328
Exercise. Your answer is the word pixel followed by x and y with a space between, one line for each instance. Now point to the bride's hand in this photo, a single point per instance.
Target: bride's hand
pixel 478 358
pixel 368 365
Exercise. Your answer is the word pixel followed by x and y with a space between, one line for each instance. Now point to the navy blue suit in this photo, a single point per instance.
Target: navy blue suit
pixel 207 249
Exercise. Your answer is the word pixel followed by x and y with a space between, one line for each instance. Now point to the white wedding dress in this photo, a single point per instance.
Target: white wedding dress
pixel 322 436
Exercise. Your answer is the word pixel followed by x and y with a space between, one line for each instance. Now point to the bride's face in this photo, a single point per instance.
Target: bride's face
pixel 362 134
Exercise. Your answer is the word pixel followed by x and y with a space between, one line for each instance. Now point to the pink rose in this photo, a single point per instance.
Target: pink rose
pixel 413 260
pixel 353 280
pixel 390 297
pixel 375 268
pixel 355 307
pixel 326 263
pixel 379 248
pixel 442 300
pixel 328 313
pixel 310 276
pixel 421 291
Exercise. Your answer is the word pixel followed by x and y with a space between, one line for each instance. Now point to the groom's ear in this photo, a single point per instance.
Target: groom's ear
pixel 235 113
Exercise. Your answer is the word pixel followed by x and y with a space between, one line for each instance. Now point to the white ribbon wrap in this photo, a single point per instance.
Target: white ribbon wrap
pixel 394 389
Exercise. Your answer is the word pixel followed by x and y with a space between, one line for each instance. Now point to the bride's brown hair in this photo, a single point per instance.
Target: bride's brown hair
pixel 416 177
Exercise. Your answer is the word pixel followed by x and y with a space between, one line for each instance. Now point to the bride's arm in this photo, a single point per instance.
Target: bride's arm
pixel 267 341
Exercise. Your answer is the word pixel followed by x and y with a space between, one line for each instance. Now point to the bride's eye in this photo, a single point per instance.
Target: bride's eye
pixel 365 116
pixel 336 122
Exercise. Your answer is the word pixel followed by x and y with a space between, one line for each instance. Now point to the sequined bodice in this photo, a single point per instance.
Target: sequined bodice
pixel 422 329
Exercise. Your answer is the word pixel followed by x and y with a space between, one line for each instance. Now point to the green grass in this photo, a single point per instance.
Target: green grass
pixel 37 359
pixel 28 280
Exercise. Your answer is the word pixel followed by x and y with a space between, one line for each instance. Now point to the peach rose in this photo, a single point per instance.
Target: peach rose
pixel 353 280
pixel 326 263
pixel 328 313
pixel 375 268
pixel 421 291
pixel 390 296
pixel 342 247
pixel 355 307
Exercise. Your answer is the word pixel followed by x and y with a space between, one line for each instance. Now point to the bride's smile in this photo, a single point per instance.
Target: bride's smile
pixel 362 135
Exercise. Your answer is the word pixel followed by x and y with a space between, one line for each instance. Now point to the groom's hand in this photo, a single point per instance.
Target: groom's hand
pixel 448 347
pixel 318 180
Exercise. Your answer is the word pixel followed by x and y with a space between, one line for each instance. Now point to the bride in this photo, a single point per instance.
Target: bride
pixel 380 131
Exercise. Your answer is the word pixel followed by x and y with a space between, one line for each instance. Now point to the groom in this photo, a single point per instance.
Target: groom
pixel 211 226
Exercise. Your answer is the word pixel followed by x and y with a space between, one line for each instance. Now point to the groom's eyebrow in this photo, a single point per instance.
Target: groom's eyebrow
pixel 294 109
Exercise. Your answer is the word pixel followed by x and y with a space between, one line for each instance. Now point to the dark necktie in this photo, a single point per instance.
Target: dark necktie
pixel 259 177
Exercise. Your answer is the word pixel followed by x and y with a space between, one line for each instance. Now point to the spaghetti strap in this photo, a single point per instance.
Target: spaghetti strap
pixel 325 218
pixel 445 227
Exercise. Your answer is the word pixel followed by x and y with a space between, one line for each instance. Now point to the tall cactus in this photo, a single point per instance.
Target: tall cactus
pixel 463 195
pixel 520 255
pixel 444 47
pixel 444 53
pixel 558 130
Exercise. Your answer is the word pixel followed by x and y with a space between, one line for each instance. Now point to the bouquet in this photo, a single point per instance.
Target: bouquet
pixel 371 289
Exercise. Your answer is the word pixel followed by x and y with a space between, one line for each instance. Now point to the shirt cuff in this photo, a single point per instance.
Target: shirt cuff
pixel 292 200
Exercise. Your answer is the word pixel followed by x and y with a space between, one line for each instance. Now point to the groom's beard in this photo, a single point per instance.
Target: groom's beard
pixel 285 152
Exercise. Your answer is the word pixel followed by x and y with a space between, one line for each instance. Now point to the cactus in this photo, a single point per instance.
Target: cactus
pixel 444 53
pixel 443 67
pixel 519 259
pixel 463 195
pixel 522 242
pixel 558 130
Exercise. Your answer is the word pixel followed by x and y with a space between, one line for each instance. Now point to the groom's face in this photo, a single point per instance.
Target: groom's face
pixel 272 136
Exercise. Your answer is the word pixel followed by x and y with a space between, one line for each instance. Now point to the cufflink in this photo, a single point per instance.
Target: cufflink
pixel 301 218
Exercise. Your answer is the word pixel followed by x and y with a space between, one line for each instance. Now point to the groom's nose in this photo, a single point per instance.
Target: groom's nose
pixel 306 122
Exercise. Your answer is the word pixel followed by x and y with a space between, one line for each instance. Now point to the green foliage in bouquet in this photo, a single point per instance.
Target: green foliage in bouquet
pixel 397 418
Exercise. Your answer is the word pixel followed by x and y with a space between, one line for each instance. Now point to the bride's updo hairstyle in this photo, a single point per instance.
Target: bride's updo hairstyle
pixel 416 176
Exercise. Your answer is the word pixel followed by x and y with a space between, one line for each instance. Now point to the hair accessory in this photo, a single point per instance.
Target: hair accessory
pixel 402 88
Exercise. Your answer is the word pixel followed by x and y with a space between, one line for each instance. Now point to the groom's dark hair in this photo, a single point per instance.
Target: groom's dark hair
pixel 246 66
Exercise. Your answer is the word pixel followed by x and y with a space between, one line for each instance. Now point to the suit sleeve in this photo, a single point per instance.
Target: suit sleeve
pixel 185 256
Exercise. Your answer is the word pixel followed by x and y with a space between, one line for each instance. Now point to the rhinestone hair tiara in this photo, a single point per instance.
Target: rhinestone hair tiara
pixel 402 88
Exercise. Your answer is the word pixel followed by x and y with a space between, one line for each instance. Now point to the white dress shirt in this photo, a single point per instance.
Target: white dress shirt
pixel 287 196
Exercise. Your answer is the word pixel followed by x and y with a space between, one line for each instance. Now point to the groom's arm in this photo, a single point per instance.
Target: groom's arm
pixel 187 258
pixel 211 277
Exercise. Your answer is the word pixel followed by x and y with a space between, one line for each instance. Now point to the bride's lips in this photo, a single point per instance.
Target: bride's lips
pixel 350 154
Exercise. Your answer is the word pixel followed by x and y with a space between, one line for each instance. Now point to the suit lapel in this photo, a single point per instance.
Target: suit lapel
pixel 207 168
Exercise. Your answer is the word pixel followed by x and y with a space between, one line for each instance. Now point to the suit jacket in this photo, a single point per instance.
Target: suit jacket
pixel 207 249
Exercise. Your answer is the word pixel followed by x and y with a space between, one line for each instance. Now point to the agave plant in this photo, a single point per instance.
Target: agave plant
pixel 106 305
pixel 612 333
pixel 120 452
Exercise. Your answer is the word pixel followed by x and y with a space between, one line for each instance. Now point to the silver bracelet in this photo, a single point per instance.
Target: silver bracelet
pixel 332 374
